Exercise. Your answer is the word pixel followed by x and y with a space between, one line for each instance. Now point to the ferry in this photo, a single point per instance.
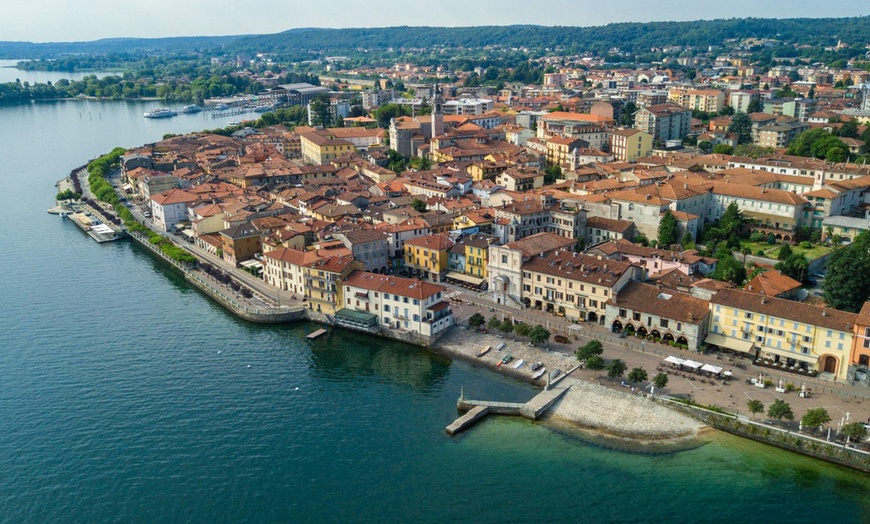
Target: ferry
pixel 191 109
pixel 163 112
pixel 221 107
pixel 263 108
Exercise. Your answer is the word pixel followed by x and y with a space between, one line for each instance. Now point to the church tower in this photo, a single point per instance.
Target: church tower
pixel 437 113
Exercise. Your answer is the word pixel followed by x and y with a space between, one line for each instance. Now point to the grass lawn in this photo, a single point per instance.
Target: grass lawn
pixel 771 251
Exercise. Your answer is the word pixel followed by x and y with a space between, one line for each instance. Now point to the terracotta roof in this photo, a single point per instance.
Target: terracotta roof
pixel 403 287
pixel 785 309
pixel 578 267
pixel 292 256
pixel 540 243
pixel 665 303
pixel 608 224
pixel 772 284
pixel 439 242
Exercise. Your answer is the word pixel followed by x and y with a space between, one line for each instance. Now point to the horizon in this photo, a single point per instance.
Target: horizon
pixel 53 21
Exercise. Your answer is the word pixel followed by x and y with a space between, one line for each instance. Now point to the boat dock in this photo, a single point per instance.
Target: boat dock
pixel 532 410
pixel 312 336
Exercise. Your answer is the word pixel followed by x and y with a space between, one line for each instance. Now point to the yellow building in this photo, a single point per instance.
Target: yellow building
pixel 706 100
pixel 476 255
pixel 321 147
pixel 486 169
pixel 427 257
pixel 787 335
pixel 627 145
pixel 323 279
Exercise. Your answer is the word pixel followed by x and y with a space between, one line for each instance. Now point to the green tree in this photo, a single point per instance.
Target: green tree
pixel 784 252
pixel 660 381
pixel 593 347
pixel 848 129
pixel 595 363
pixel 552 173
pixel 732 220
pixel 755 407
pixel 854 431
pixel 522 329
pixel 668 232
pixel 729 269
pixel 419 205
pixel 815 418
pixel 705 146
pixel 818 143
pixel 507 326
pixel 320 115
pixel 723 149
pixel 539 335
pixel 752 150
pixel 616 368
pixel 741 125
pixel 795 266
pixel 637 375
pixel 847 286
pixel 494 323
pixel 476 320
pixel 779 410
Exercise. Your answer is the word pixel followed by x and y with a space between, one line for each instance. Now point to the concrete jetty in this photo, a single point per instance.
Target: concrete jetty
pixel 467 420
pixel 312 336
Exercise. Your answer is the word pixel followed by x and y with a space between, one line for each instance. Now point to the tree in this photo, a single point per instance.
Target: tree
pixel 854 430
pixel 660 381
pixel 795 266
pixel 320 111
pixel 784 252
pixel 494 323
pixel 668 232
pixel 476 320
pixel 595 363
pixel 539 335
pixel 779 410
pixel 729 269
pixel 741 125
pixel 418 205
pixel 637 375
pixel 848 129
pixel 591 348
pixel 723 149
pixel 522 329
pixel 815 418
pixel 705 146
pixel 846 286
pixel 755 407
pixel 616 369
pixel 507 326
pixel 552 173
pixel 818 143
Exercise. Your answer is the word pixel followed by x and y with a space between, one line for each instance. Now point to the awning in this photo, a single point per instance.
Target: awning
pixel 744 346
pixel 810 359
pixel 674 360
pixel 711 368
pixel 474 281
pixel 691 364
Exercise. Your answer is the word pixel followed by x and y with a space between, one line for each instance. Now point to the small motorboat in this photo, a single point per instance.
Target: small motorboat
pixel 537 365
pixel 507 358
pixel 520 363
pixel 483 351
pixel 539 373
pixel 555 373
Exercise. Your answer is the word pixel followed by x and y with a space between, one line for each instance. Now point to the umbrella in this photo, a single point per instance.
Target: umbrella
pixel 692 364
pixel 674 360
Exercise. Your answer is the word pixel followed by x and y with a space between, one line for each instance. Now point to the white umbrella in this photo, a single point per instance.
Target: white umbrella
pixel 711 368
pixel 692 364
pixel 674 360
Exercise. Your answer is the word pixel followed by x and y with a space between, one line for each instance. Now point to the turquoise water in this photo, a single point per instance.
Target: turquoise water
pixel 126 395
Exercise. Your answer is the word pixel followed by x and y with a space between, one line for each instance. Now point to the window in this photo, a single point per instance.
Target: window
pixel 748 314
pixel 864 360
pixel 386 308
pixel 827 343
pixel 386 296
pixel 635 316
pixel 416 302
pixel 759 339
pixel 405 300
pixel 779 333
pixel 663 322
pixel 416 318
pixel 622 313
pixel 840 346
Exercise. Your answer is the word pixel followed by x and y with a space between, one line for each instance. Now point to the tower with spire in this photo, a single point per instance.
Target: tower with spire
pixel 437 113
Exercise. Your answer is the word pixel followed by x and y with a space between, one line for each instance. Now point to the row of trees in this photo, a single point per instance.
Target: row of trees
pixel 537 335
pixel 590 353
pixel 813 420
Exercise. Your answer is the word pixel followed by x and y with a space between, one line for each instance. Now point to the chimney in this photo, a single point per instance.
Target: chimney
pixel 824 312
pixel 763 299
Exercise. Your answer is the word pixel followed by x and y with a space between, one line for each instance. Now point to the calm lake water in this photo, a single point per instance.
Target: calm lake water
pixel 126 395
pixel 8 73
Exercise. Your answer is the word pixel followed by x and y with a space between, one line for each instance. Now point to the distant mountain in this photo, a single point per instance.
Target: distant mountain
pixel 631 37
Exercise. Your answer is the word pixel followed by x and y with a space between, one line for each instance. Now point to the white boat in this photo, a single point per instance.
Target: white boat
pixel 233 123
pixel 191 109
pixel 162 112
pixel 520 363
pixel 539 373
pixel 500 346
pixel 483 351
pixel 263 108
pixel 221 107
pixel 555 373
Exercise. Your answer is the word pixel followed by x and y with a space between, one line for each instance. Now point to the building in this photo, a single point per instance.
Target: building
pixel 284 268
pixel 520 179
pixel 664 122
pixel 574 285
pixel 706 100
pixel 859 368
pixel 170 208
pixel 505 263
pixel 791 335
pixel 780 134
pixel 427 257
pixel 321 147
pixel 369 247
pixel 397 303
pixel 323 277
pixel 627 145
pixel 241 242
pixel 673 317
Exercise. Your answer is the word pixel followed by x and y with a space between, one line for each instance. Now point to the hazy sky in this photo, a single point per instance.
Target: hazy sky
pixel 65 20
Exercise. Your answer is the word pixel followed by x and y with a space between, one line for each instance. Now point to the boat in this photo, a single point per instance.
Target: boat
pixel 191 109
pixel 519 364
pixel 233 123
pixel 537 365
pixel 500 346
pixel 221 107
pixel 162 112
pixel 555 373
pixel 507 358
pixel 483 351
pixel 262 108
pixel 538 374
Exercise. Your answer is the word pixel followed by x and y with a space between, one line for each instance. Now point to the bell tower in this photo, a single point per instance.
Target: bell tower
pixel 437 113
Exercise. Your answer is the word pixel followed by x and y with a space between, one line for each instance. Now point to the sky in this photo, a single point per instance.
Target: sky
pixel 84 20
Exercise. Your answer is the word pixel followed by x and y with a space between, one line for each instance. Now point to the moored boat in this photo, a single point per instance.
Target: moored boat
pixel 520 363
pixel 193 108
pixel 538 374
pixel 537 365
pixel 483 351
pixel 507 358
pixel 162 112
pixel 555 373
